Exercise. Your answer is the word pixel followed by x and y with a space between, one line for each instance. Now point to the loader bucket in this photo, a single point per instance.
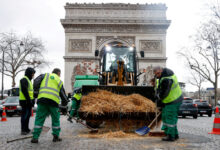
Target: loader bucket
pixel 121 119
pixel 146 91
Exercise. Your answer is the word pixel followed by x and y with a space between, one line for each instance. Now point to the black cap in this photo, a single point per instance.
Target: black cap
pixel 29 71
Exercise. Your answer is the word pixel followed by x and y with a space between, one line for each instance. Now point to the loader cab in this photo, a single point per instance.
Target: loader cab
pixel 118 64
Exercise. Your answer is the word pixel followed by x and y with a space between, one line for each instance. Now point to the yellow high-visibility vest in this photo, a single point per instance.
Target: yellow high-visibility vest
pixel 175 91
pixel 50 87
pixel 77 96
pixel 30 90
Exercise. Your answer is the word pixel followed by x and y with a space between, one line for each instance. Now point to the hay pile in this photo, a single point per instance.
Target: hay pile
pixel 110 134
pixel 102 101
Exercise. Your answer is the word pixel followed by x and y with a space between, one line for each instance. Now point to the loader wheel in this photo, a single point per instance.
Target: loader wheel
pixel 94 124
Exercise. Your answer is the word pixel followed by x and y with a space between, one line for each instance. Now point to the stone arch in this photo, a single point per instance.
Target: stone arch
pixel 126 43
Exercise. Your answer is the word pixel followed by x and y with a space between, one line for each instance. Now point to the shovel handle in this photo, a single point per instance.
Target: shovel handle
pixel 154 119
pixel 84 124
pixel 22 138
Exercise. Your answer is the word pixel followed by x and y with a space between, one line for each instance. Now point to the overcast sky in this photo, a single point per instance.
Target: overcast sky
pixel 42 19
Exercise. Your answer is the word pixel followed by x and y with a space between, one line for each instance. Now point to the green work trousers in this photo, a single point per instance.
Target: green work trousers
pixel 44 110
pixel 170 118
pixel 74 108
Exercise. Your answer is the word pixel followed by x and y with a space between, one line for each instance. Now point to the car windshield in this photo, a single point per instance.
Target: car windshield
pixel 201 102
pixel 188 101
pixel 12 100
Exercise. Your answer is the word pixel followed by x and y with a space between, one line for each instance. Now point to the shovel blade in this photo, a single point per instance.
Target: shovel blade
pixel 143 130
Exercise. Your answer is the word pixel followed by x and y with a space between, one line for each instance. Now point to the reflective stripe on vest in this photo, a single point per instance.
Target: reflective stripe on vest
pixel 175 91
pixel 50 87
pixel 77 96
pixel 30 90
pixel 156 84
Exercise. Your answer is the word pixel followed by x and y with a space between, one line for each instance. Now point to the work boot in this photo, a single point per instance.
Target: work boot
pixel 176 137
pixel 168 138
pixel 24 133
pixel 56 138
pixel 28 131
pixel 34 140
pixel 70 119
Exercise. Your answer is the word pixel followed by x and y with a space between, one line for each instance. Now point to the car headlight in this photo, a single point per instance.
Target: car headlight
pixel 18 107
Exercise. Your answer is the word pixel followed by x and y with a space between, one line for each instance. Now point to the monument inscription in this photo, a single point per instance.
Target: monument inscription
pixel 81 45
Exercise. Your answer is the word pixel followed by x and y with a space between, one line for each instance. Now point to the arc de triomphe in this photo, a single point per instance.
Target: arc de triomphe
pixel 88 27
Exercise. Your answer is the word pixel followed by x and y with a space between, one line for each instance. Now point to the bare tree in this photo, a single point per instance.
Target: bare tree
pixel 19 53
pixel 203 56
pixel 196 79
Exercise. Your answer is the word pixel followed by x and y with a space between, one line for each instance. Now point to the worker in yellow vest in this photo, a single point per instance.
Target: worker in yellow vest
pixel 76 100
pixel 50 91
pixel 26 99
pixel 169 92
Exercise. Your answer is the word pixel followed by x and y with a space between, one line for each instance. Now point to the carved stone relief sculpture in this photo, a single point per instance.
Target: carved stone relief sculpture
pixel 128 39
pixel 151 45
pixel 80 45
pixel 102 39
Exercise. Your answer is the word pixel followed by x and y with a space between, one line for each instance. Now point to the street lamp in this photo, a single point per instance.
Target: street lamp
pixel 3 65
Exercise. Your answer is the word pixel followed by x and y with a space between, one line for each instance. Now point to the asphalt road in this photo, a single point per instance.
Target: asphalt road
pixel 193 135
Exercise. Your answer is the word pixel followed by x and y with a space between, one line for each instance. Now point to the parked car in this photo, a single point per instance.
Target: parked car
pixel 11 106
pixel 203 107
pixel 4 96
pixel 188 108
pixel 187 98
pixel 2 101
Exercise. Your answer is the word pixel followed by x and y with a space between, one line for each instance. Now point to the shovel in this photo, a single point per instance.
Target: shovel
pixel 44 130
pixel 145 129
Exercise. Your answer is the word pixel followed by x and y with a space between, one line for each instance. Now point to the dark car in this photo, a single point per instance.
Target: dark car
pixel 188 108
pixel 203 107
pixel 12 106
